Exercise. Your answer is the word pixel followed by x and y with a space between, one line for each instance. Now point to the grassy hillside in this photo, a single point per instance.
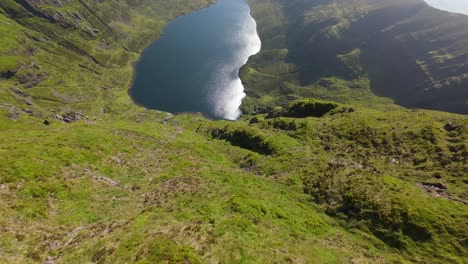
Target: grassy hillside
pixel 86 176
pixel 402 50
pixel 283 189
pixel 76 56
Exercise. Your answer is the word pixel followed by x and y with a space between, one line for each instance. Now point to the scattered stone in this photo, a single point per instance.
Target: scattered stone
pixel 343 110
pixel 248 164
pixel 78 16
pixel 106 180
pixel 115 160
pixel 57 117
pixel 31 79
pixel 449 127
pixel 169 116
pixel 5 105
pixel 254 120
pixel 7 74
pixel 90 32
pixel 325 83
pixel 49 260
pixel 435 186
pixel 13 114
pixel 19 92
pixel 263 110
pixel 433 189
pixel 71 117
pixel 76 25
pixel 438 190
pixel 453 149
pixel 90 122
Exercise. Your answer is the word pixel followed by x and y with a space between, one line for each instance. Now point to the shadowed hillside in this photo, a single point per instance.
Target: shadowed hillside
pixel 408 51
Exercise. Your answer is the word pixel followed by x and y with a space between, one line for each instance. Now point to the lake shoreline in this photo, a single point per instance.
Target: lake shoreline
pixel 135 63
pixel 199 71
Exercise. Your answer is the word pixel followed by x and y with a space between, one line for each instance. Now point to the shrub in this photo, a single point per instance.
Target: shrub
pixel 364 197
pixel 309 108
pixel 245 138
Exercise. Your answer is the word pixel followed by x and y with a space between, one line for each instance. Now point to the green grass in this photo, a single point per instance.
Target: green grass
pixel 125 191
pixel 135 185
pixel 178 193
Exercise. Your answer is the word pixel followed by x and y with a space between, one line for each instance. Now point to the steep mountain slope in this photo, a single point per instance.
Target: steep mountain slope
pixel 404 50
pixel 76 56
pixel 86 176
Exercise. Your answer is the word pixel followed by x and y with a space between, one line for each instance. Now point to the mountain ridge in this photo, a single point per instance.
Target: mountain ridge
pixel 424 69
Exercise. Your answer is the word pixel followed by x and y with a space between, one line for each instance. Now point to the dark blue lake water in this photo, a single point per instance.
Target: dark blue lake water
pixel 194 65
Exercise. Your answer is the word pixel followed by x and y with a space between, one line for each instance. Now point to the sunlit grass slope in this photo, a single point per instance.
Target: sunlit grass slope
pixel 86 176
